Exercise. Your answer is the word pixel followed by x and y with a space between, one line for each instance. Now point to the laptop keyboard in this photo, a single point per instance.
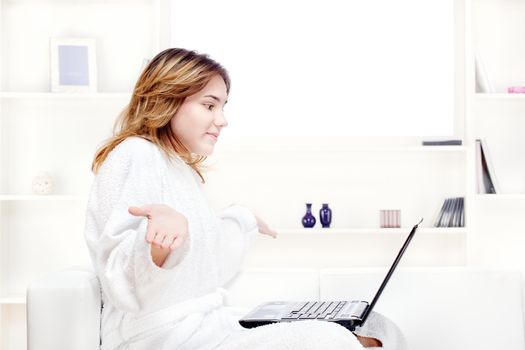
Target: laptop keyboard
pixel 324 310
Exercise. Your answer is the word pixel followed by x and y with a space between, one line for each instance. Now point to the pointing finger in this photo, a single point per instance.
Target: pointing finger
pixel 143 211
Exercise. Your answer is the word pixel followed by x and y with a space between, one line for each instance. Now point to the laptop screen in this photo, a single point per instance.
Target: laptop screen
pixel 391 271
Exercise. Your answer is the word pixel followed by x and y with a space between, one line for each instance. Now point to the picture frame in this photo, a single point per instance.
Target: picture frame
pixel 73 65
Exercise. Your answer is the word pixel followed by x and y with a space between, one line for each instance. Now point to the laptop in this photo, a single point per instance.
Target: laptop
pixel 348 313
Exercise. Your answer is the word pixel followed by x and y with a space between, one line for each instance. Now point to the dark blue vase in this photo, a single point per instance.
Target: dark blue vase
pixel 325 215
pixel 308 218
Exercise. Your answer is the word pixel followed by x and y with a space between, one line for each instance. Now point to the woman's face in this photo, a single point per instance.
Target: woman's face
pixel 200 118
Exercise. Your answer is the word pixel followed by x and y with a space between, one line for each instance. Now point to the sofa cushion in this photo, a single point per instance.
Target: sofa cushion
pixel 436 308
pixel 440 308
pixel 252 287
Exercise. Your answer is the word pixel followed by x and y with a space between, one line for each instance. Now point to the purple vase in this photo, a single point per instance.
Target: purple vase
pixel 308 218
pixel 325 215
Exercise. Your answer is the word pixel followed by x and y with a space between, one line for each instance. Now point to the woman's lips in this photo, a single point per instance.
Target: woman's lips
pixel 213 136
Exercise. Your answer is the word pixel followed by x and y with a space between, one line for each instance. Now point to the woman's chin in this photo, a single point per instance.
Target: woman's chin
pixel 205 151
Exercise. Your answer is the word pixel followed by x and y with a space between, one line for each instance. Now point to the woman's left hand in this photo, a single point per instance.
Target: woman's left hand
pixel 369 342
pixel 264 228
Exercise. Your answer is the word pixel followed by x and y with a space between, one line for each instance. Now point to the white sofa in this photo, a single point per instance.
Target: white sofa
pixel 436 308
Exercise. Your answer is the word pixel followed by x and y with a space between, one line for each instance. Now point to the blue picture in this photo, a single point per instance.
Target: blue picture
pixel 73 65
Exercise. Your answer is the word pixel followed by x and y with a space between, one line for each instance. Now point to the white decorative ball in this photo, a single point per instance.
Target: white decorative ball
pixel 42 183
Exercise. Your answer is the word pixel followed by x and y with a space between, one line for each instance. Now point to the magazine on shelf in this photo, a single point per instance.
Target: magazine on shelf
pixel 449 213
pixel 456 222
pixel 483 82
pixel 444 219
pixel 453 212
pixel 480 187
pixel 490 166
pixel 446 211
pixel 462 213
pixel 485 174
pixel 441 213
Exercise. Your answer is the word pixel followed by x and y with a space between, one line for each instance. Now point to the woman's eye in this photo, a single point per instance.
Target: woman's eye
pixel 209 107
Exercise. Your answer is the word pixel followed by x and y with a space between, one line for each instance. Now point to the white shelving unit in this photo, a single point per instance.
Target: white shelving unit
pixel 495 32
pixel 44 233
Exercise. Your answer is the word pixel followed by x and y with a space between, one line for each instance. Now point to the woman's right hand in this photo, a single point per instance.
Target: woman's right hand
pixel 167 228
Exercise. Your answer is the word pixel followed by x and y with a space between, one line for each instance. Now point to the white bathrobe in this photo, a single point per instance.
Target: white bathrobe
pixel 181 304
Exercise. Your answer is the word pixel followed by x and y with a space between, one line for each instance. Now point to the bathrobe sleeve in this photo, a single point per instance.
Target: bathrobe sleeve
pixel 238 229
pixel 131 175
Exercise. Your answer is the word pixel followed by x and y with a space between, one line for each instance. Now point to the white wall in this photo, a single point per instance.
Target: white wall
pixel 124 35
pixel 498 39
pixel 310 83
pixel 330 68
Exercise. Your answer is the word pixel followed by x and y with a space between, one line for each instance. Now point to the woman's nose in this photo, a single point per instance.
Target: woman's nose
pixel 221 120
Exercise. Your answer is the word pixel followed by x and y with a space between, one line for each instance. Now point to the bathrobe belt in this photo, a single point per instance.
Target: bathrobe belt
pixel 133 326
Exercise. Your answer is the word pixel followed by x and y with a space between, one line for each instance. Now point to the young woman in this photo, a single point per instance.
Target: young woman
pixel 160 252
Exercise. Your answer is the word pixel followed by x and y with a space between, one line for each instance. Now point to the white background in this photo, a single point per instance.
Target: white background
pixel 331 68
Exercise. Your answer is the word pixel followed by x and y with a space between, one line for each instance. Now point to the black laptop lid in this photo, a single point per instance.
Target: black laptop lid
pixel 391 271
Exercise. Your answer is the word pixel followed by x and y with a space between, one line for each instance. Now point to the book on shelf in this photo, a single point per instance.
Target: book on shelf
pixel 461 216
pixel 451 213
pixel 442 213
pixel 443 143
pixel 483 82
pixel 455 220
pixel 454 209
pixel 485 176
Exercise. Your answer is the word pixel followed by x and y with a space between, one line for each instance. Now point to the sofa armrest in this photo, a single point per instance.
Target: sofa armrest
pixel 63 311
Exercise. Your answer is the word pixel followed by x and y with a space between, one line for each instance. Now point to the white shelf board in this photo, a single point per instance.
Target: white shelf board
pixel 32 197
pixel 498 96
pixel 13 299
pixel 503 196
pixel 60 96
pixel 369 231
pixel 229 149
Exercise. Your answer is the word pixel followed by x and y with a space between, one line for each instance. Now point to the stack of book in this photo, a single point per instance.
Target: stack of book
pixel 452 213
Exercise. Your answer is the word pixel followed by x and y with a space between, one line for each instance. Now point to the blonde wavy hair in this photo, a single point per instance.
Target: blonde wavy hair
pixel 167 80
